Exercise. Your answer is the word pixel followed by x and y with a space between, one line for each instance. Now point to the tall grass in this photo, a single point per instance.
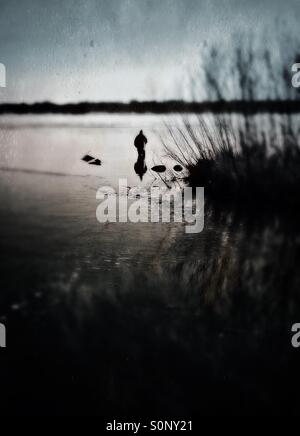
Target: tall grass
pixel 245 159
pixel 241 157
pixel 247 68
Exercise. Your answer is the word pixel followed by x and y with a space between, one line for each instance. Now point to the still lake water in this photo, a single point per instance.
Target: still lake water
pixel 127 320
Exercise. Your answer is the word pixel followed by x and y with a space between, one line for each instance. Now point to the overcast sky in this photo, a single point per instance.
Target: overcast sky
pixel 72 50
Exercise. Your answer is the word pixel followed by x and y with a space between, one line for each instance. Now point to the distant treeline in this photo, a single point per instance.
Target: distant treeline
pixel 156 107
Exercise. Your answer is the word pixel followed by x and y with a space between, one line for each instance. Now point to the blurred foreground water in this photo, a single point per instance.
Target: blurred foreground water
pixel 127 320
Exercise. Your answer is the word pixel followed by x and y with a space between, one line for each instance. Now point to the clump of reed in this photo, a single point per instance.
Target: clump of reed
pixel 242 157
pixel 245 159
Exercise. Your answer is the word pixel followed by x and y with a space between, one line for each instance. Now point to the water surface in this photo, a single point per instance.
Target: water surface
pixel 123 319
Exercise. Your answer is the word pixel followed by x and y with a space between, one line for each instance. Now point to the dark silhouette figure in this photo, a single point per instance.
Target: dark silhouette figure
pixel 140 167
pixel 140 142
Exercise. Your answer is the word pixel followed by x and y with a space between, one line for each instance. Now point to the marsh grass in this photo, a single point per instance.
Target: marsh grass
pixel 242 158
pixel 246 159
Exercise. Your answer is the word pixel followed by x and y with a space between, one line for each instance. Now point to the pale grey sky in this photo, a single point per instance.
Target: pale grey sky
pixel 72 50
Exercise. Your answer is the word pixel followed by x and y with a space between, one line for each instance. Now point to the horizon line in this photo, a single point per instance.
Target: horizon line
pixel 154 106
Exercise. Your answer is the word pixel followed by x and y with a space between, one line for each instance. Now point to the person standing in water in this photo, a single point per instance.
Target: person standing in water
pixel 140 142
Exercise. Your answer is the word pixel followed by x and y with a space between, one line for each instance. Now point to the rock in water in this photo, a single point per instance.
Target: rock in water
pixel 95 162
pixel 177 168
pixel 159 168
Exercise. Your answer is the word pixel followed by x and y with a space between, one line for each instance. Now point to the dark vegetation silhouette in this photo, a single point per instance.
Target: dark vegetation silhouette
pixel 243 158
pixel 248 165
pixel 155 107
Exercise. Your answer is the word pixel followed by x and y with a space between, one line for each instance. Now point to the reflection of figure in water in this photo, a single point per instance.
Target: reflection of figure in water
pixel 140 142
pixel 140 167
